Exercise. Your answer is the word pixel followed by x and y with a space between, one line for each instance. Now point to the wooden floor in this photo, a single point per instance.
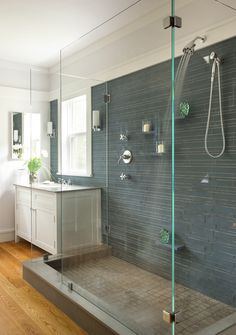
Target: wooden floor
pixel 22 309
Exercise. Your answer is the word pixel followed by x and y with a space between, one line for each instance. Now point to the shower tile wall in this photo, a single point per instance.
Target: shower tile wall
pixel 141 206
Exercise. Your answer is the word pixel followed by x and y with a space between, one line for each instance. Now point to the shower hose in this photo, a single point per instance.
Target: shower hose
pixel 216 63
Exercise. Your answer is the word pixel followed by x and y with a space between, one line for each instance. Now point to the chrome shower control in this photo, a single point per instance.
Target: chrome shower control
pixel 124 176
pixel 123 137
pixel 126 157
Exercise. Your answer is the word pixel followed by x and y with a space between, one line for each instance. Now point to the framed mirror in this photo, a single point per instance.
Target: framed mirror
pixel 25 135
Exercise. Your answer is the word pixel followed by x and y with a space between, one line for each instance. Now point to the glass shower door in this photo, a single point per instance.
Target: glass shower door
pixel 117 218
pixel 205 171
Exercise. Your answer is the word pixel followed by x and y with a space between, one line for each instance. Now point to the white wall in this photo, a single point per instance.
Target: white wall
pixel 15 97
pixel 141 44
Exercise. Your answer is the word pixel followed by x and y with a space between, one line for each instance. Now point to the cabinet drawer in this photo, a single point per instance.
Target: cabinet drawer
pixel 44 200
pixel 23 195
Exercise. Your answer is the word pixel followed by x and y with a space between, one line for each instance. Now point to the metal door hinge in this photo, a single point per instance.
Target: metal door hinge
pixel 169 317
pixel 70 286
pixel 172 21
pixel 107 98
pixel 45 257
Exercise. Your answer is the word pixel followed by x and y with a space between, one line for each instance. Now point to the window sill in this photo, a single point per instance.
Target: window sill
pixel 74 174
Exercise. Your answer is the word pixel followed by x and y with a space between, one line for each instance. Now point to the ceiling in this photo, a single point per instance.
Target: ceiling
pixel 34 31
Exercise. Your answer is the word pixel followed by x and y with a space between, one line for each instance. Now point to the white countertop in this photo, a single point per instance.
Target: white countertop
pixel 54 187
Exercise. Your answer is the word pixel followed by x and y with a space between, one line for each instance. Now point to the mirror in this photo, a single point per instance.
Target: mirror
pixel 17 126
pixel 25 135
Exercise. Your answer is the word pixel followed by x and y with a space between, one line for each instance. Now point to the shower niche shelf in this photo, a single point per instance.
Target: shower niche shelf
pixel 178 246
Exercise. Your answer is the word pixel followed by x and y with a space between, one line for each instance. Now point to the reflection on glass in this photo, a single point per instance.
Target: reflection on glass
pixel 26 128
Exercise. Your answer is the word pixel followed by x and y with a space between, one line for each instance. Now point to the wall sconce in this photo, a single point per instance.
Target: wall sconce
pixel 96 120
pixel 51 132
pixel 15 135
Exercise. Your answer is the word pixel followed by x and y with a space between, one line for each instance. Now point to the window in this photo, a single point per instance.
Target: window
pixel 76 136
pixel 31 135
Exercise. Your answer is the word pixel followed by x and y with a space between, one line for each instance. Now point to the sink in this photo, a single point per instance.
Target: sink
pixel 54 187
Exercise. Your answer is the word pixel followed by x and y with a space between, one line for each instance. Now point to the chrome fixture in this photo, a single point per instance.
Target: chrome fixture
pixel 64 182
pixel 205 179
pixel 213 56
pixel 124 176
pixel 189 48
pixel 126 157
pixel 181 71
pixel 61 181
pixel 216 64
pixel 96 120
pixel 123 137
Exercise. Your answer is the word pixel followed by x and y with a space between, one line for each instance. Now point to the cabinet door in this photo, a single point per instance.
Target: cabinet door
pixel 23 221
pixel 44 230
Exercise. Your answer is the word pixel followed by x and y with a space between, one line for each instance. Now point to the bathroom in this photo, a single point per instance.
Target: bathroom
pixel 118 169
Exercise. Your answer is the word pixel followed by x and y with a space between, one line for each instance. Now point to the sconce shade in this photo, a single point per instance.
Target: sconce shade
pixel 15 135
pixel 96 120
pixel 49 128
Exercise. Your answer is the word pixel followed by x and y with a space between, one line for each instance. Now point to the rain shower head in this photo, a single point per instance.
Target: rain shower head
pixel 189 48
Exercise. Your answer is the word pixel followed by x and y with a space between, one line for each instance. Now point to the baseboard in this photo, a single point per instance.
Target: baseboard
pixel 7 235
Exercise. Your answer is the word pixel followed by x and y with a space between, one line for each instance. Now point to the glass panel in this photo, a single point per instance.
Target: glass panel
pixel 205 206
pixel 173 240
pixel 43 186
pixel 116 249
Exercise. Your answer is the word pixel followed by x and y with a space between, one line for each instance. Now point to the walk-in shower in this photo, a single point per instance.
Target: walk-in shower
pixel 114 262
pixel 215 65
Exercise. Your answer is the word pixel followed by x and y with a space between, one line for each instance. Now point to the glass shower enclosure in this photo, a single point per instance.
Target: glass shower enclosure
pixel 144 216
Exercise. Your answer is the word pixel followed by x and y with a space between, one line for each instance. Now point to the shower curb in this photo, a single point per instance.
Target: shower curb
pixel 220 326
pixel 47 281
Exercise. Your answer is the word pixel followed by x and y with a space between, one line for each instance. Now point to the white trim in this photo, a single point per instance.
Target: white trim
pixel 7 235
pixel 76 93
pixel 215 33
pixel 73 174
pixel 22 94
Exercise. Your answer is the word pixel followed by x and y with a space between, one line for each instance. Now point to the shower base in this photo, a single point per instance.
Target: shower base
pixel 130 300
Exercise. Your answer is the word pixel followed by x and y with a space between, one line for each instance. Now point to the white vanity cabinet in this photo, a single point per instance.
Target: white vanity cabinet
pixel 41 216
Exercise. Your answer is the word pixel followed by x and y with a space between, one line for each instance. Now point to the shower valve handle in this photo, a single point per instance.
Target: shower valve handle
pixel 126 157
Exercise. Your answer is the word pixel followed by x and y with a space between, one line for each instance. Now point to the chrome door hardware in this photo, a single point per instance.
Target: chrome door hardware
pixel 126 157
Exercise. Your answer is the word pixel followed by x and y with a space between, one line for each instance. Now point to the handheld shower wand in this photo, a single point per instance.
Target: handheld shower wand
pixel 216 64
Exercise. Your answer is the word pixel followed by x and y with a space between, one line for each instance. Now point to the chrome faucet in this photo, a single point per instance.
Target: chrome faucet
pixel 124 176
pixel 61 181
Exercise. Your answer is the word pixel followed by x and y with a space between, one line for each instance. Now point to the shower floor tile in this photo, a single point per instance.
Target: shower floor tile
pixel 137 297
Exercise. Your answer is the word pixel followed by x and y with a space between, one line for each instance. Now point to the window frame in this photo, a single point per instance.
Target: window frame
pixel 88 171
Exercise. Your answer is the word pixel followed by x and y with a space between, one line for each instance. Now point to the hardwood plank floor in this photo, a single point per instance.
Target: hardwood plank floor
pixel 23 310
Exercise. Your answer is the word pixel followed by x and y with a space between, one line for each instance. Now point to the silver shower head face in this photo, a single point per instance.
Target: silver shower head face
pixel 189 48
